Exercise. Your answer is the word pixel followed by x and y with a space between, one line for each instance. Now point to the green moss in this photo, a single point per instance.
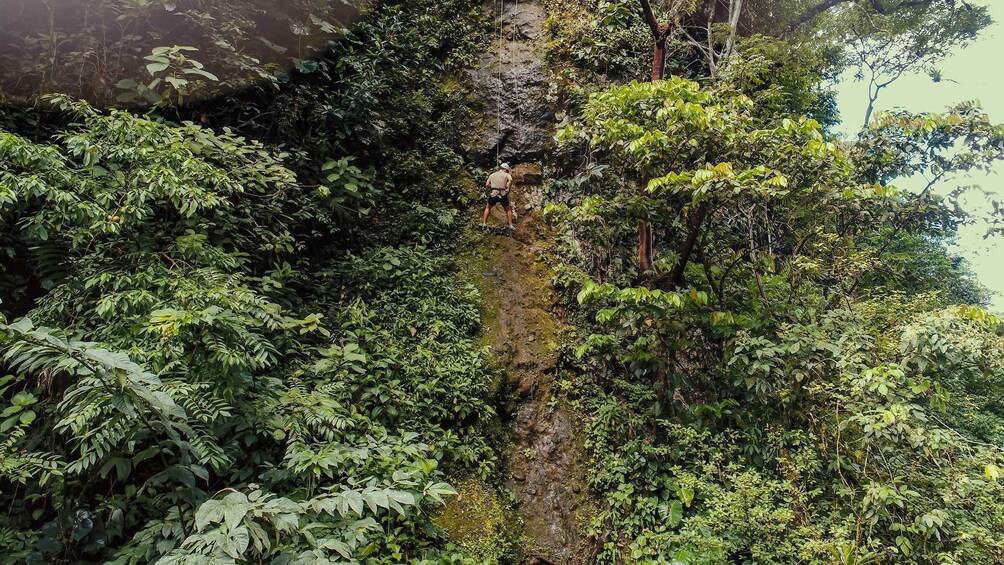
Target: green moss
pixel 473 265
pixel 480 523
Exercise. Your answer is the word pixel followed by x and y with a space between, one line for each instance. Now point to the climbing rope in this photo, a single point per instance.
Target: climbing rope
pixel 499 67
pixel 519 102
pixel 504 49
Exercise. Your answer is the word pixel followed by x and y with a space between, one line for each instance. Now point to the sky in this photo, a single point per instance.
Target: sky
pixel 975 72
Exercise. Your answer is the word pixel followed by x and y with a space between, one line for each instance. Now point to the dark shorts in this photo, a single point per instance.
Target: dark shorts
pixel 503 200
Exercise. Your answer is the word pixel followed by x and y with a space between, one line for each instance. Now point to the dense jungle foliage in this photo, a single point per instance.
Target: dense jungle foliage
pixel 806 375
pixel 237 330
pixel 245 344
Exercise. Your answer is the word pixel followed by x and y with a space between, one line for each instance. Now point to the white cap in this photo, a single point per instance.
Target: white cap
pixel 505 166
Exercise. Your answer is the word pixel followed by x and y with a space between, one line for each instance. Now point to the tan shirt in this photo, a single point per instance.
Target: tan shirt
pixel 499 181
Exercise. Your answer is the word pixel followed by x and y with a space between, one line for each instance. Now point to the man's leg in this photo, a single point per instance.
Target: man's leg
pixel 508 216
pixel 488 210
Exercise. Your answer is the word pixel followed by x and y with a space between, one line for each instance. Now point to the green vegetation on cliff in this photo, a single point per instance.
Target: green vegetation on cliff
pixel 236 331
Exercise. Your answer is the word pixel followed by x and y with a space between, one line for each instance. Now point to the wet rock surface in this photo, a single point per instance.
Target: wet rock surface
pixel 512 81
pixel 524 322
pixel 547 500
pixel 528 174
pixel 524 330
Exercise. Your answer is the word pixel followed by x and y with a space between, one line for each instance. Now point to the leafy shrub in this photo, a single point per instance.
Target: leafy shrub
pixel 770 391
pixel 192 381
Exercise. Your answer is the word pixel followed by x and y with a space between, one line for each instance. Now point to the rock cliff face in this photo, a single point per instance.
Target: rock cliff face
pixel 524 323
pixel 513 81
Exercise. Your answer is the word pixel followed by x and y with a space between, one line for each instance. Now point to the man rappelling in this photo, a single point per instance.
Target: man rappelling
pixel 498 186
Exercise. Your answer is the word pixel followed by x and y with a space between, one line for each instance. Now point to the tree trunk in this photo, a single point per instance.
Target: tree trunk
pixel 873 94
pixel 696 221
pixel 659 59
pixel 644 246
pixel 644 229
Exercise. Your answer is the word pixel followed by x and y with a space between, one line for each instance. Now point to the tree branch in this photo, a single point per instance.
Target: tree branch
pixel 811 13
pixel 650 19
pixel 697 220
pixel 877 5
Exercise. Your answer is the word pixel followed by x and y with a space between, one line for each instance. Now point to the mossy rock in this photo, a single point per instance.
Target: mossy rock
pixel 480 523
